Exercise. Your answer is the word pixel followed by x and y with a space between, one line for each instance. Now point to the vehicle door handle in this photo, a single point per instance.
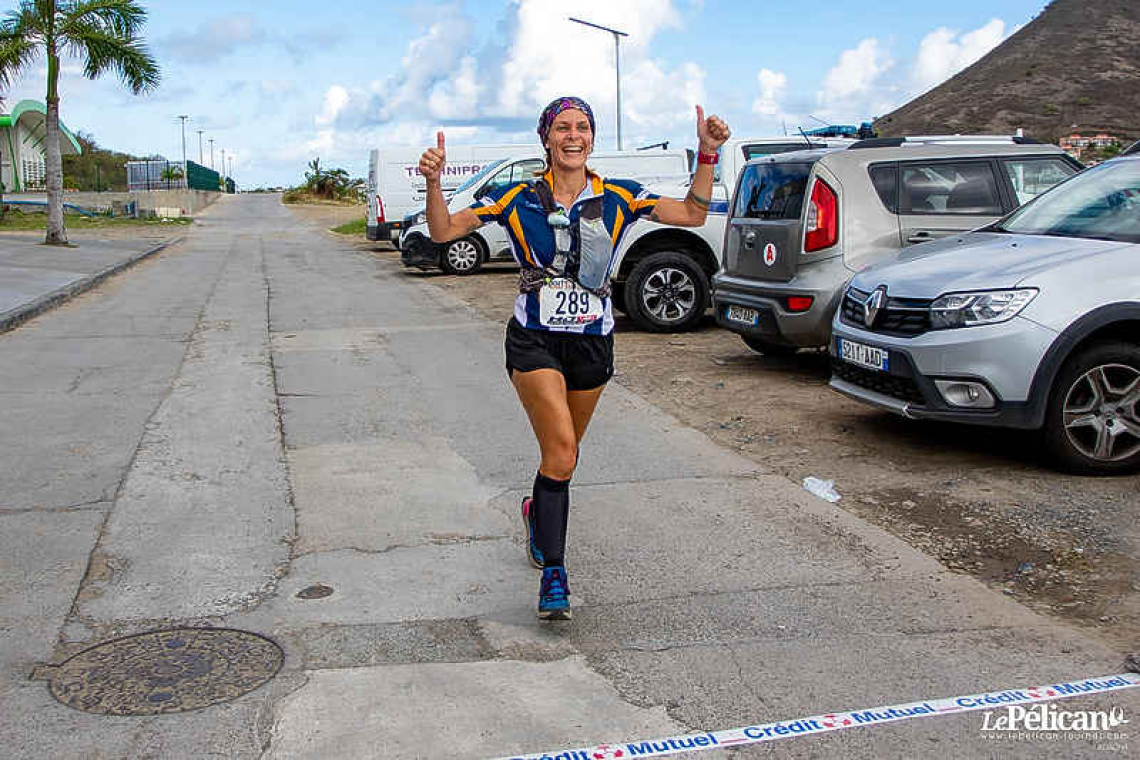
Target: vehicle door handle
pixel 750 240
pixel 920 237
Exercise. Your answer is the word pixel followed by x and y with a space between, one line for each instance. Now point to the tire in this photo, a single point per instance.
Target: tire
pixel 1092 424
pixel 667 292
pixel 462 257
pixel 768 348
pixel 617 297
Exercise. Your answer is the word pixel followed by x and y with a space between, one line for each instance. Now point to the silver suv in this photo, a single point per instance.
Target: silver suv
pixel 1032 322
pixel 801 224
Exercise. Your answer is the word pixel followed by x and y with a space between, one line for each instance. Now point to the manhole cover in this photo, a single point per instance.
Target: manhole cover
pixel 165 671
pixel 318 591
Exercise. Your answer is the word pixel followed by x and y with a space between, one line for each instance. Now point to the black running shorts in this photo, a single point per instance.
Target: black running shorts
pixel 586 361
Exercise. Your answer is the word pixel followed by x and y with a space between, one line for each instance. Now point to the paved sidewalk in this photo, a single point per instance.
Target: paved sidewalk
pixel 36 277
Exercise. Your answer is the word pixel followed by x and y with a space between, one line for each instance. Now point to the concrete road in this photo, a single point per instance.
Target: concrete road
pixel 259 410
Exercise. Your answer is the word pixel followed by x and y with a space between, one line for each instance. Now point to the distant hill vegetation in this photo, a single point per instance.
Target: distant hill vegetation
pixel 96 168
pixel 1075 67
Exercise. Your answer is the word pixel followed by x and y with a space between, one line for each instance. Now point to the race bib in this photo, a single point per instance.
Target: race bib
pixel 563 303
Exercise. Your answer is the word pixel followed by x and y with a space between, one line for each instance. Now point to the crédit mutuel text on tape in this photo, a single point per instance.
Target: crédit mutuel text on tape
pixel 818 724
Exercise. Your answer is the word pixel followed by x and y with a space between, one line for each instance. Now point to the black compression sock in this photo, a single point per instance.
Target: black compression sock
pixel 551 514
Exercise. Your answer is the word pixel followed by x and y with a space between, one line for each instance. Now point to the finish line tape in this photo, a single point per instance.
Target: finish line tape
pixel 819 724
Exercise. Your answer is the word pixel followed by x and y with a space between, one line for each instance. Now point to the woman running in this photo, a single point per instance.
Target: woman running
pixel 564 228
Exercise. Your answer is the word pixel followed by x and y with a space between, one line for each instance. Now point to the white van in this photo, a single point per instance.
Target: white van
pixel 490 242
pixel 396 188
pixel 661 274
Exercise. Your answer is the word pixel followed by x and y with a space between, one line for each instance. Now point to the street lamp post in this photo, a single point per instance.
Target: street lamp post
pixel 200 131
pixel 184 118
pixel 617 61
pixel 211 153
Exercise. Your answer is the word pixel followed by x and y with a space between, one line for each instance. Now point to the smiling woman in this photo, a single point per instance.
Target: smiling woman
pixel 564 227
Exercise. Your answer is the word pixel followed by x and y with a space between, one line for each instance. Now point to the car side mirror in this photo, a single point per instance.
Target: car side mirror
pixel 482 192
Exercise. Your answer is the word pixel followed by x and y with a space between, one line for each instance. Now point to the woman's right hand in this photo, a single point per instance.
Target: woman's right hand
pixel 433 160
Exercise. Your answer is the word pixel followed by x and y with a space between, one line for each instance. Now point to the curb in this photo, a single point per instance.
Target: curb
pixel 10 320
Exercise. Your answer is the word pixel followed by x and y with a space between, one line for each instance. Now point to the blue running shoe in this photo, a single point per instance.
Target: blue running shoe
pixel 533 553
pixel 554 594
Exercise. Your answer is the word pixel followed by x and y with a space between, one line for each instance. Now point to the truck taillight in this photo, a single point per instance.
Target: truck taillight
pixel 379 210
pixel 822 229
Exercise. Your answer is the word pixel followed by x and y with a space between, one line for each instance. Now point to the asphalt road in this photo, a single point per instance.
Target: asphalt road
pixel 260 410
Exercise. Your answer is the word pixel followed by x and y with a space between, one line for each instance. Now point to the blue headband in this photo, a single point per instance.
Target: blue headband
pixel 558 106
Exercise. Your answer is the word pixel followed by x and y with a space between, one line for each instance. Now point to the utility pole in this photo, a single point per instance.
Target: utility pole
pixel 211 153
pixel 232 170
pixel 617 61
pixel 200 131
pixel 184 118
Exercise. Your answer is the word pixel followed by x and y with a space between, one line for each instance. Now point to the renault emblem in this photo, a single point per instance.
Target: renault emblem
pixel 873 304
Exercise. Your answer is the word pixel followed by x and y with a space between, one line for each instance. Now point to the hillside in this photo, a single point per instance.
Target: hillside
pixel 1077 62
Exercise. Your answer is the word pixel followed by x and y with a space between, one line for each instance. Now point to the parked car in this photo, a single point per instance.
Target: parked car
pixel 1032 322
pixel 661 273
pixel 801 224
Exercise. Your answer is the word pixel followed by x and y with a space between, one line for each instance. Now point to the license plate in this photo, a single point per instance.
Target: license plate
pixel 863 355
pixel 742 314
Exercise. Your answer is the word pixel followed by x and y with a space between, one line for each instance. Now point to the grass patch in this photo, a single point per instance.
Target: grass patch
pixel 355 227
pixel 303 197
pixel 16 221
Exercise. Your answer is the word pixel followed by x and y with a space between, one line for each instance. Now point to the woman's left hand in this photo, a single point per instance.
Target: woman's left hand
pixel 711 132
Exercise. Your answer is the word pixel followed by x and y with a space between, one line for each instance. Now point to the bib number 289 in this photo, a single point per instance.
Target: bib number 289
pixel 564 304
pixel 571 303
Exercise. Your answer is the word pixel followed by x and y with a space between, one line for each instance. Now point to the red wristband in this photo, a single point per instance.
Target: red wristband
pixel 708 158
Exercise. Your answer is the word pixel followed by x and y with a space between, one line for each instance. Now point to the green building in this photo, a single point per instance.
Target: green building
pixel 22 147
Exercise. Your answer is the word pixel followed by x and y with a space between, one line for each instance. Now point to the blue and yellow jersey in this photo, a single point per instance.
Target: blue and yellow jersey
pixel 519 209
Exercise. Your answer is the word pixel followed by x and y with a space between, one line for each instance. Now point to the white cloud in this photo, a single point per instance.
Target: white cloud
pixel 214 38
pixel 539 55
pixel 867 81
pixel 857 71
pixel 942 54
pixel 336 98
pixel 773 85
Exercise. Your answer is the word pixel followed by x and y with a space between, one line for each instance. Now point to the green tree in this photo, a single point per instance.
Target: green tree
pixel 103 34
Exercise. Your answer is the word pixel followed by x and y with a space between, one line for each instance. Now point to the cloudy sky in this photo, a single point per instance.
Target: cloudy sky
pixel 276 84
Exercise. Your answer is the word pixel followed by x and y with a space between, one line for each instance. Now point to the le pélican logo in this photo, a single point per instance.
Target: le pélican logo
pixel 1050 718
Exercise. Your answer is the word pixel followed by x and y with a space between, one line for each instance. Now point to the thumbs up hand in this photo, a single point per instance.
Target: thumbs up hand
pixel 433 160
pixel 711 132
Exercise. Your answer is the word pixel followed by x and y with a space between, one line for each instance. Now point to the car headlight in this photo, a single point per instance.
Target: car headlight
pixel 970 309
pixel 419 218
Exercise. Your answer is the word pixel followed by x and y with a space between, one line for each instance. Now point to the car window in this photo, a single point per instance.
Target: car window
pixel 949 188
pixel 1101 203
pixel 885 178
pixel 772 191
pixel 482 173
pixel 501 179
pixel 1032 176
pixel 524 170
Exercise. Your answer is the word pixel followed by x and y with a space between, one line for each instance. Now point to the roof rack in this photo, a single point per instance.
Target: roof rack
pixel 897 142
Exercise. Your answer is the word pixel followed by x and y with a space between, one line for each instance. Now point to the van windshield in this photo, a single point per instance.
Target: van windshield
pixel 482 173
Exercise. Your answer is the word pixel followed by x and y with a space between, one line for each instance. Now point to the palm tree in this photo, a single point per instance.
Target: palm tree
pixel 173 173
pixel 104 34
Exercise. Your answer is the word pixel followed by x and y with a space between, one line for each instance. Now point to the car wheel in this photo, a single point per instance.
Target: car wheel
pixel 667 292
pixel 1092 425
pixel 767 347
pixel 462 256
pixel 617 297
